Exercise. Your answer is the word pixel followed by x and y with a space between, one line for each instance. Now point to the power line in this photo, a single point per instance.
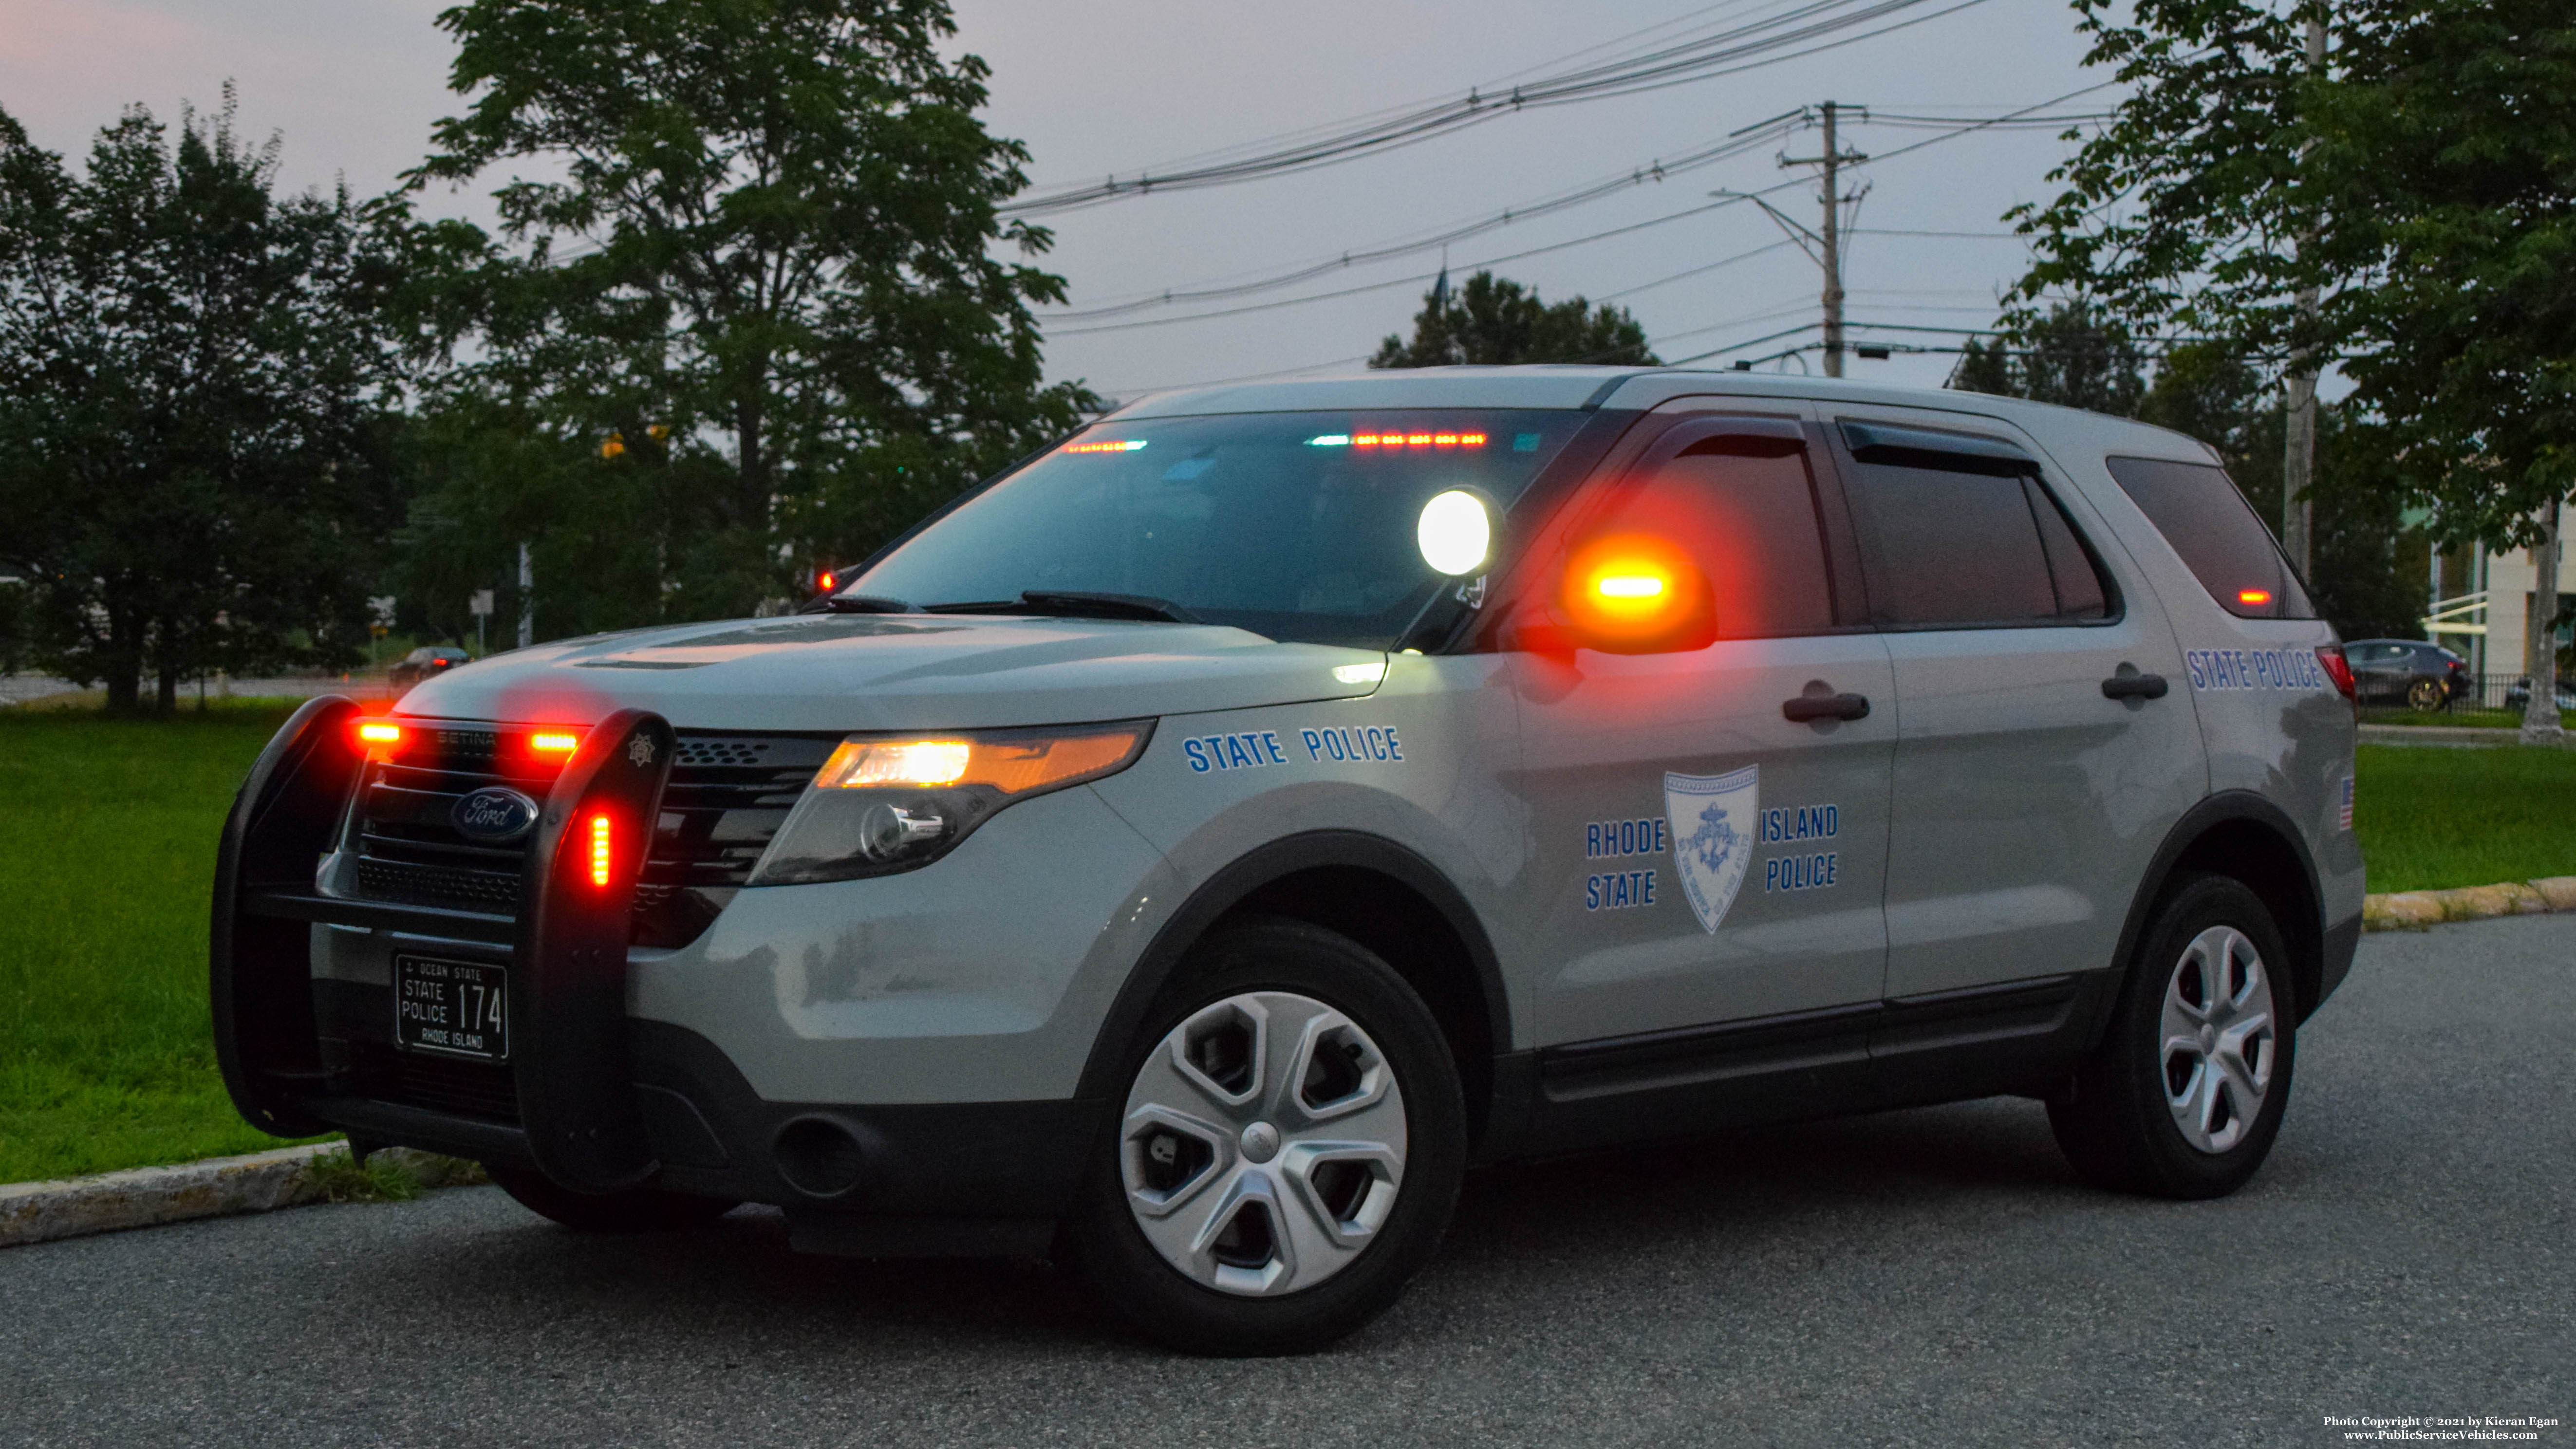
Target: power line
pixel 1750 136
pixel 1653 171
pixel 1765 41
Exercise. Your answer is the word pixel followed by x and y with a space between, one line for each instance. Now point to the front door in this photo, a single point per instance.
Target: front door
pixel 1710 824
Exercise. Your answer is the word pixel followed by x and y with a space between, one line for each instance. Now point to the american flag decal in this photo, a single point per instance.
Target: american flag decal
pixel 2343 817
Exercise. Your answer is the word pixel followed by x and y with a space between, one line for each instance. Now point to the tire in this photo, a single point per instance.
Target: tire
pixel 642 1210
pixel 2184 1096
pixel 2427 695
pixel 1287 1154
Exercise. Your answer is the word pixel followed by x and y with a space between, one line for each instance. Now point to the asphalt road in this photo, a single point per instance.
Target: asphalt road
pixel 1927 1277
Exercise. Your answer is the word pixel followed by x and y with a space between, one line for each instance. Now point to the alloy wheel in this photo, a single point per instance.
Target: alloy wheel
pixel 2218 1037
pixel 1263 1144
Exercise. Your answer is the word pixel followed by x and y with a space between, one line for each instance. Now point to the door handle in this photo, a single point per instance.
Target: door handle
pixel 2133 685
pixel 1809 708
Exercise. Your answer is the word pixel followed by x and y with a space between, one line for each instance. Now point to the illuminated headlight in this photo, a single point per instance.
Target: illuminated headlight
pixel 886 803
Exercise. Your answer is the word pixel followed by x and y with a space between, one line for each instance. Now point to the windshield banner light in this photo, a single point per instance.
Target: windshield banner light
pixel 1397 440
pixel 1125 445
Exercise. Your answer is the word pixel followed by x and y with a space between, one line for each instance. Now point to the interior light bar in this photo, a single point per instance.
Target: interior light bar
pixel 1124 445
pixel 1410 440
pixel 2254 598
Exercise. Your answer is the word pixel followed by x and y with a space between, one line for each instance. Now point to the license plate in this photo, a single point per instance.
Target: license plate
pixel 458 1007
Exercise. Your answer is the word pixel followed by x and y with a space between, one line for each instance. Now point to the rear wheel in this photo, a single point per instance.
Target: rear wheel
pixel 1288 1152
pixel 641 1210
pixel 2185 1094
pixel 2427 695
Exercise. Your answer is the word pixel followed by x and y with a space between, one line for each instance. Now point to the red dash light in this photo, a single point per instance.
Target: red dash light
pixel 602 851
pixel 1417 440
pixel 2254 598
pixel 377 734
pixel 553 742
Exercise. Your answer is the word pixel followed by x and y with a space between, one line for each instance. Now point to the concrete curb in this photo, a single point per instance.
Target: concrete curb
pixel 2400 910
pixel 142 1197
pixel 2478 736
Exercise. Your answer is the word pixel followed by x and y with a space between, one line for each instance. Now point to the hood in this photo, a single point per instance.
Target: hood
pixel 894 672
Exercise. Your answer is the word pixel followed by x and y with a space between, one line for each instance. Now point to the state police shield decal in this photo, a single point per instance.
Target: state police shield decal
pixel 1712 820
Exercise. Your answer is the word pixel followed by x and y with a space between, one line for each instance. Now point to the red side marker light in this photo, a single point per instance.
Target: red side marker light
pixel 2254 598
pixel 602 849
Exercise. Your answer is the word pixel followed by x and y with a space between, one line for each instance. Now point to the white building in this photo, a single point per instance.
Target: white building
pixel 2482 605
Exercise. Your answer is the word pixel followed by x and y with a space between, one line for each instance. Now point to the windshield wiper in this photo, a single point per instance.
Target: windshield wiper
pixel 1076 604
pixel 855 604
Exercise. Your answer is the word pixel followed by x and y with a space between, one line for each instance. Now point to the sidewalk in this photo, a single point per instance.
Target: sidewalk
pixel 23 688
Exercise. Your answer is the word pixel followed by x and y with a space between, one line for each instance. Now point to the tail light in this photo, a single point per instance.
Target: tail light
pixel 2337 668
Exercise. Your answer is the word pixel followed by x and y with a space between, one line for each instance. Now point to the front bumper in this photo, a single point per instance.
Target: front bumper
pixel 596 1098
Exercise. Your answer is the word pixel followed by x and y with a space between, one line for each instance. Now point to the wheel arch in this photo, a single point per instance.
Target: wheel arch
pixel 2247 838
pixel 1371 889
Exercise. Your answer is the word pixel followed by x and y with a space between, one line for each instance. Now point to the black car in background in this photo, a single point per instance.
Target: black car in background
pixel 424 662
pixel 2407 671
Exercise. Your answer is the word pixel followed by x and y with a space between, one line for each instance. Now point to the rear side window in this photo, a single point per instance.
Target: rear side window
pixel 1952 548
pixel 2198 510
pixel 1748 521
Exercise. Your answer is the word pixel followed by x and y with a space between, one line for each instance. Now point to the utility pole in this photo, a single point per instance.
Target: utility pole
pixel 527 600
pixel 2299 450
pixel 2540 641
pixel 1830 241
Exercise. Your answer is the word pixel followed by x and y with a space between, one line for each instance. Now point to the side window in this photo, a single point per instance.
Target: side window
pixel 1744 509
pixel 2199 511
pixel 1953 548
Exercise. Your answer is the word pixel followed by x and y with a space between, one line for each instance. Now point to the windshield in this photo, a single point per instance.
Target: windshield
pixel 1296 526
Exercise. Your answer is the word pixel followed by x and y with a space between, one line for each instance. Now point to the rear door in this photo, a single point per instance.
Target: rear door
pixel 2045 742
pixel 1709 825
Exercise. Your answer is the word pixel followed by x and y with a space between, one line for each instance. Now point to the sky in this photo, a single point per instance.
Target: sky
pixel 1122 86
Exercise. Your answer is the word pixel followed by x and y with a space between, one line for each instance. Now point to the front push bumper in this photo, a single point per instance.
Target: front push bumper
pixel 594 1099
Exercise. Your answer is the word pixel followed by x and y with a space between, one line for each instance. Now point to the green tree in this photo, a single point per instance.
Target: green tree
pixel 2421 185
pixel 195 380
pixel 759 318
pixel 2070 357
pixel 1491 320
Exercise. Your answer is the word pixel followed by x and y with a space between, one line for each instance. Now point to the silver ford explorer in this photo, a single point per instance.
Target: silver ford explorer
pixel 1193 850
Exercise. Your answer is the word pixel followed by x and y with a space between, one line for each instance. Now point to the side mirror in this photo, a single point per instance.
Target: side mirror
pixel 1636 594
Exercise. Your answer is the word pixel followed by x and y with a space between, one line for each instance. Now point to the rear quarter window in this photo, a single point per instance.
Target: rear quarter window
pixel 2198 509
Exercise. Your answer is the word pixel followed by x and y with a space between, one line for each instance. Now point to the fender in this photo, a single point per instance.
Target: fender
pixel 2306 938
pixel 259 965
pixel 1259 867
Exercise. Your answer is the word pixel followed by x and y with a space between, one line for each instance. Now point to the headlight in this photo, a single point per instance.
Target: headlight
pixel 885 803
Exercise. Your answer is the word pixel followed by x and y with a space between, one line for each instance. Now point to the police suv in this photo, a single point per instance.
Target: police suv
pixel 1194 849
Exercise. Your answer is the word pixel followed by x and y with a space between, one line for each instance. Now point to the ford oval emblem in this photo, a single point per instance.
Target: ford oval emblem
pixel 494 815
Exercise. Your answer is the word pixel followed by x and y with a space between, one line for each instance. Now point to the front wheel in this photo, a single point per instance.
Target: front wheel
pixel 2185 1094
pixel 1288 1152
pixel 2427 695
pixel 641 1210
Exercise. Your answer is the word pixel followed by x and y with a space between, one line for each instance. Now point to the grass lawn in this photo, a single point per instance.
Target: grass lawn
pixel 107 849
pixel 2431 818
